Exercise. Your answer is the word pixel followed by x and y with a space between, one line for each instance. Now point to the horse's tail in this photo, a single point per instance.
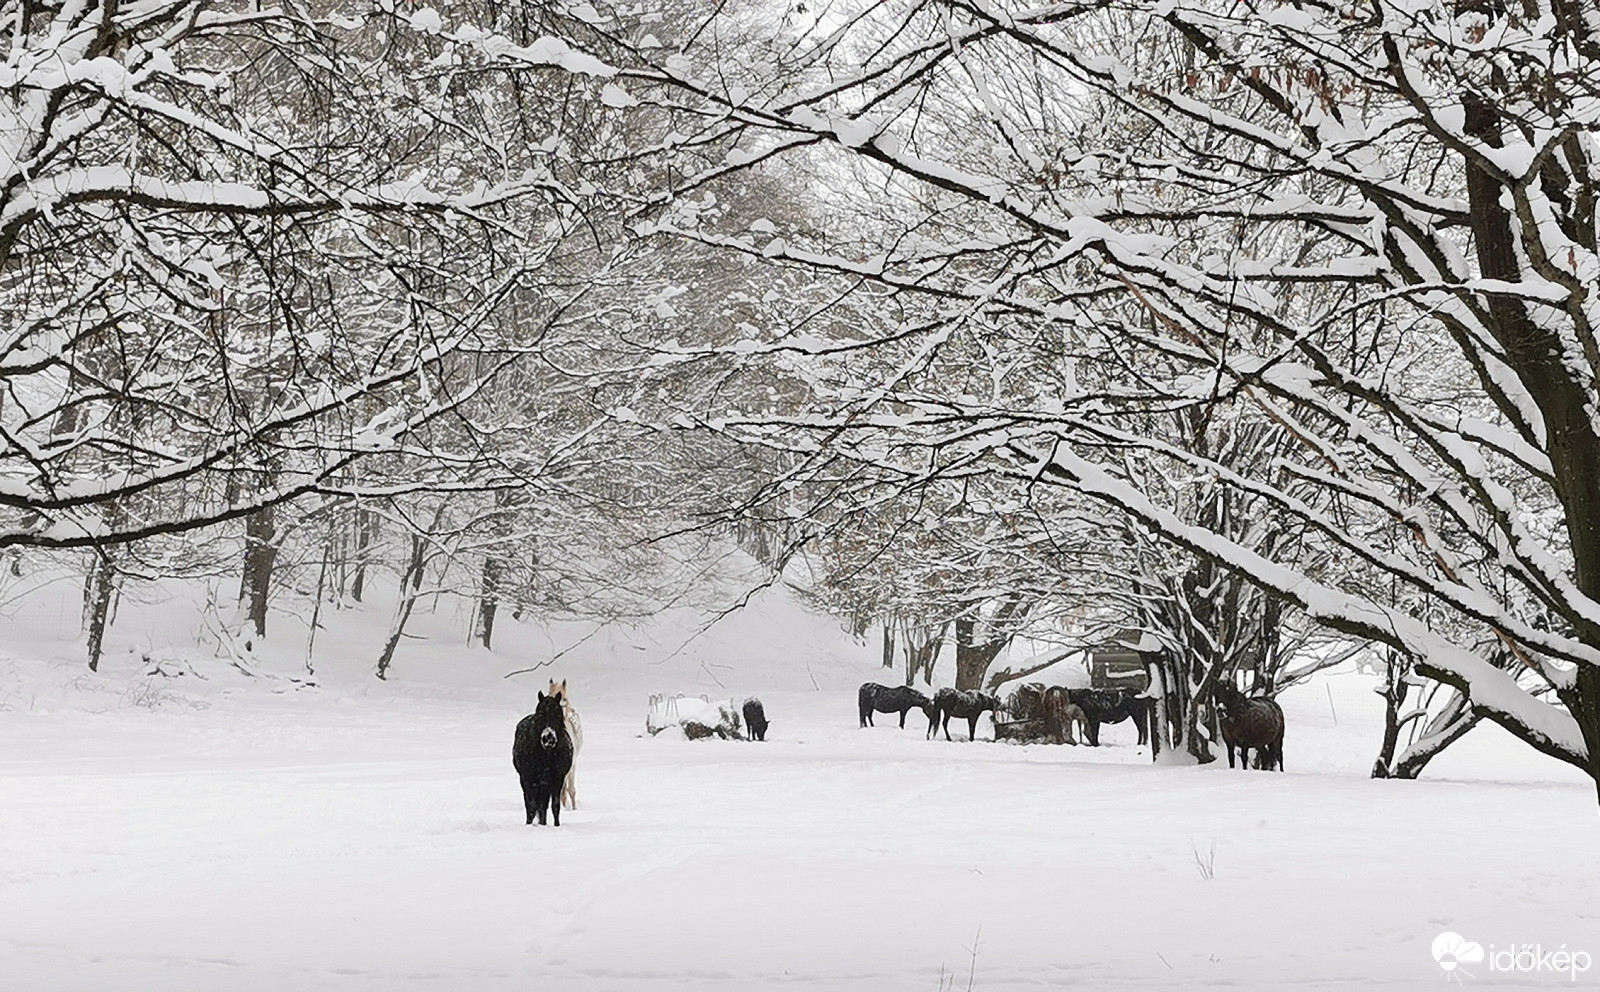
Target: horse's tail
pixel 1277 744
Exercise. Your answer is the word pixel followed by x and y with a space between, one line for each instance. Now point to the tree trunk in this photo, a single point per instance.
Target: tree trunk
pixel 1440 735
pixel 922 646
pixel 260 554
pixel 366 524
pixel 329 550
pixel 1199 716
pixel 410 585
pixel 1395 689
pixel 490 603
pixel 97 603
pixel 888 644
pixel 1583 702
pixel 494 567
pixel 1537 355
pixel 973 657
pixel 1160 697
pixel 972 660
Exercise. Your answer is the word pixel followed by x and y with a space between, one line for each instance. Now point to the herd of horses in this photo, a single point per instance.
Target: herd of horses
pixel 1246 722
pixel 547 741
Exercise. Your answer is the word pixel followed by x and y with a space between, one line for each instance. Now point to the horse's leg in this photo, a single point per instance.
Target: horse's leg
pixel 903 717
pixel 555 802
pixel 972 727
pixel 529 791
pixel 945 723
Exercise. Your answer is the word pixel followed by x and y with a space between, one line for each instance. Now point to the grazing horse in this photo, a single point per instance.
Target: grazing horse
pixel 1250 722
pixel 541 753
pixel 569 786
pixel 960 703
pixel 901 699
pixel 1112 706
pixel 1061 714
pixel 755 719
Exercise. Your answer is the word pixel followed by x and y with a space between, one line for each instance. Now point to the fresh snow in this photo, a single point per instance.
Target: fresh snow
pixel 214 831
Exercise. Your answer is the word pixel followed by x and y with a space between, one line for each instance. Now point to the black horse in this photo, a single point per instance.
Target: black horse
pixel 755 719
pixel 1112 706
pixel 960 703
pixel 873 697
pixel 542 755
pixel 1250 722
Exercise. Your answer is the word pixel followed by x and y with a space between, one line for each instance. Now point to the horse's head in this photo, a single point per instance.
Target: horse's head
pixel 548 719
pixel 1227 695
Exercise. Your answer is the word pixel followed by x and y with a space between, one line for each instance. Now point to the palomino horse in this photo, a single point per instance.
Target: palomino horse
pixel 569 787
pixel 1061 714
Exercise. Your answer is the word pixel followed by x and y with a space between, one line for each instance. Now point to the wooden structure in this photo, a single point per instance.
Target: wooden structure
pixel 1119 664
pixel 1021 717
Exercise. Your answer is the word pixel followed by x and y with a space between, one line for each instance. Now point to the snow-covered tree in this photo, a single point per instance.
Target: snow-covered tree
pixel 240 255
pixel 1372 224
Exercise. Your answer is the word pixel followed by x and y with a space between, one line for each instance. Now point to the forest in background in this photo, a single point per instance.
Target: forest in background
pixel 1266 328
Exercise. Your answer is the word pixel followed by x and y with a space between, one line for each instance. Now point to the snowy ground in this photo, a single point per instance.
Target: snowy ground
pixel 244 834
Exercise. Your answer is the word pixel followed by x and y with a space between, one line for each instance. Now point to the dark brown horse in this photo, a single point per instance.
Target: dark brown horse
pixel 1250 722
pixel 966 703
pixel 874 698
pixel 1112 706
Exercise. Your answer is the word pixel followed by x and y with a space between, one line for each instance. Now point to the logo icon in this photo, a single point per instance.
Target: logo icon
pixel 1452 951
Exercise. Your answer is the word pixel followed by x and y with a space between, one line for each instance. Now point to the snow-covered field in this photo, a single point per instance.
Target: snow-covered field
pixel 235 833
